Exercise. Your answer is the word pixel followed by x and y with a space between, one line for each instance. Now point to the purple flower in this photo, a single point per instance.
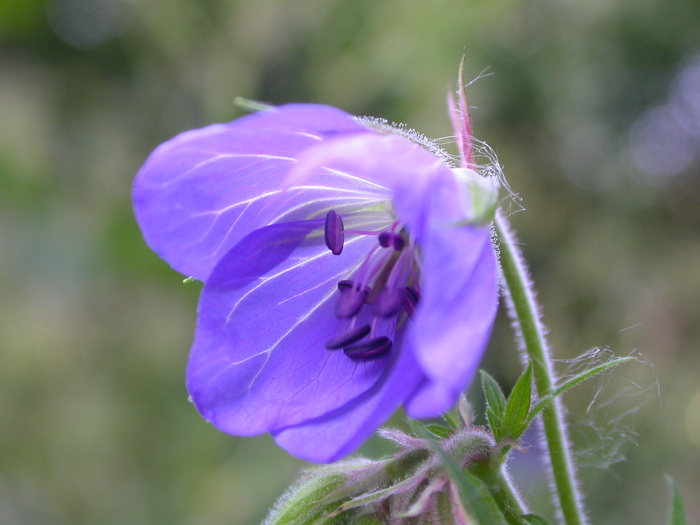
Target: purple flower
pixel 343 275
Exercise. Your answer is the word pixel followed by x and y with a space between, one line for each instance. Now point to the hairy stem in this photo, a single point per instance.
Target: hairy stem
pixel 524 311
pixel 493 475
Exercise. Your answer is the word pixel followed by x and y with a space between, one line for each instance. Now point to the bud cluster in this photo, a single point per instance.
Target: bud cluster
pixel 410 486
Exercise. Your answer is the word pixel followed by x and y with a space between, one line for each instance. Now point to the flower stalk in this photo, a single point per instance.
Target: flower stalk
pixel 499 485
pixel 520 298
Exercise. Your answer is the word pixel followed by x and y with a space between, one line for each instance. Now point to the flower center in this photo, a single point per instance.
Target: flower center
pixel 381 282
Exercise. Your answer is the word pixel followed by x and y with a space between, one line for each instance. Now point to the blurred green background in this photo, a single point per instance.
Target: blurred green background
pixel 593 107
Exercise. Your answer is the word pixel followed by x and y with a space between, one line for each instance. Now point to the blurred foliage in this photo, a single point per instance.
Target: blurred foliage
pixel 593 107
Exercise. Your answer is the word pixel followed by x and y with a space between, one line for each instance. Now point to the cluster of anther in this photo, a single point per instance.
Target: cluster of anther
pixel 360 342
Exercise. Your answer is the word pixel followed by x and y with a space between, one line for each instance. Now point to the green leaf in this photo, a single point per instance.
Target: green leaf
pixel 439 431
pixel 574 381
pixel 473 493
pixel 518 406
pixel 496 402
pixel 676 513
pixel 493 393
pixel 451 420
pixel 535 519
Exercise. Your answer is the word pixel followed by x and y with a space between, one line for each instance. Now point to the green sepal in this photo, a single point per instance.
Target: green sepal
pixel 535 519
pixel 251 105
pixel 515 419
pixel 676 511
pixel 465 412
pixel 374 497
pixel 439 431
pixel 301 505
pixel 496 402
pixel 461 415
pixel 495 423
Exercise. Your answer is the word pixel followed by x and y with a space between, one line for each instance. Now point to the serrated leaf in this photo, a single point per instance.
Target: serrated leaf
pixel 496 402
pixel 535 519
pixel 518 406
pixel 676 513
pixel 572 382
pixel 439 431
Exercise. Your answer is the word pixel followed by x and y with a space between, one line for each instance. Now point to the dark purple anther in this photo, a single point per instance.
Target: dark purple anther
pixel 385 239
pixel 410 301
pixel 388 301
pixel 369 349
pixel 348 338
pixel 347 285
pixel 389 239
pixel 334 232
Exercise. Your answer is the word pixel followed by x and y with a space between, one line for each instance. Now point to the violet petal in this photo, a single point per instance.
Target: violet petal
pixel 349 337
pixel 459 297
pixel 339 433
pixel 392 162
pixel 201 192
pixel 259 361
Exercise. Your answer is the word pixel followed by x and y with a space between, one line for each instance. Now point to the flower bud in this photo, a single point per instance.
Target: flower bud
pixel 411 483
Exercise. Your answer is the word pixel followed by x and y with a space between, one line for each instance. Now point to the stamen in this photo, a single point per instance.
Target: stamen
pixel 411 300
pixel 368 349
pixel 388 301
pixel 390 297
pixel 347 285
pixel 349 337
pixel 334 232
pixel 387 239
pixel 352 297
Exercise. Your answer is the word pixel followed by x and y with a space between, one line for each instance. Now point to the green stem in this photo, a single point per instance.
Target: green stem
pixel 521 301
pixel 499 486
